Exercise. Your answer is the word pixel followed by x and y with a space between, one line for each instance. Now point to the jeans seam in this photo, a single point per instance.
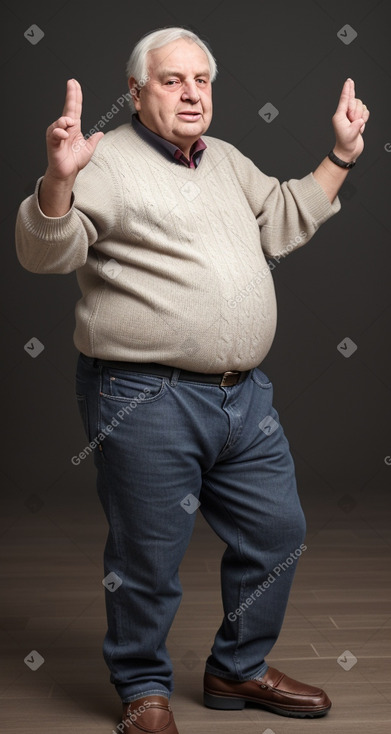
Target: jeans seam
pixel 239 536
pixel 242 595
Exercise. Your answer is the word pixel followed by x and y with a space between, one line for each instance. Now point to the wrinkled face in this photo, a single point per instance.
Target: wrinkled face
pixel 176 101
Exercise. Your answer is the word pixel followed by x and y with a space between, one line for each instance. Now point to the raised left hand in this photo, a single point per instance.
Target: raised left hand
pixel 349 122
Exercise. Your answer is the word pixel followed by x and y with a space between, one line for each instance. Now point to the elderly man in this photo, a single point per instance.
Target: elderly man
pixel 168 232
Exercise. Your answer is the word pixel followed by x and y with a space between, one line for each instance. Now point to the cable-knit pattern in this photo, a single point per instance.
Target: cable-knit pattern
pixel 170 260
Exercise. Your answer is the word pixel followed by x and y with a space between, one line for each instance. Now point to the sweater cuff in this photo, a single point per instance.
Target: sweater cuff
pixel 48 228
pixel 315 199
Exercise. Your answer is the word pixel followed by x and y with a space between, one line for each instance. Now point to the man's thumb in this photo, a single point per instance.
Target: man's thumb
pixel 357 125
pixel 95 138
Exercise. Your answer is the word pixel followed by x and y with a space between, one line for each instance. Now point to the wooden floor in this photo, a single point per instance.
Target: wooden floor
pixel 52 603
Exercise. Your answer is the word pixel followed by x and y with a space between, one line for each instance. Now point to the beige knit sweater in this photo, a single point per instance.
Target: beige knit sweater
pixel 171 260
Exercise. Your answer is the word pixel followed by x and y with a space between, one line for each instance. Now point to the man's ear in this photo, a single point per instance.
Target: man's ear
pixel 134 91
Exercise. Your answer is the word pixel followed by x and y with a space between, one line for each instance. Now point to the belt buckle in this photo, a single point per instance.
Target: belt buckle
pixel 230 378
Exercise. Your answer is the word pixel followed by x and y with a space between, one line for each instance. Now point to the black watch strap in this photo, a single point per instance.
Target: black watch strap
pixel 343 164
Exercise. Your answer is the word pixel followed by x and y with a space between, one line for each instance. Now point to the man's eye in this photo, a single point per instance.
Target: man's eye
pixel 202 80
pixel 172 81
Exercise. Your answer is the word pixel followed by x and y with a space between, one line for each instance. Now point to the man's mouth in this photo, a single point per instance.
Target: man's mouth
pixel 189 116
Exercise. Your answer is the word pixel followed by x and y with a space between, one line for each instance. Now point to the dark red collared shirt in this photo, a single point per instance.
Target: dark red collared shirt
pixel 170 149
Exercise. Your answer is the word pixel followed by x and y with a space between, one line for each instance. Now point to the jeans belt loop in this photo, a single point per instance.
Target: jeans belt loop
pixel 175 376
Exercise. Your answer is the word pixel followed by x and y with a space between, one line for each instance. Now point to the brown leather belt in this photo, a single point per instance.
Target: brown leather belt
pixel 223 379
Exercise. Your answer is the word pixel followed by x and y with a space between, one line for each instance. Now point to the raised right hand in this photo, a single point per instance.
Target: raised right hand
pixel 68 151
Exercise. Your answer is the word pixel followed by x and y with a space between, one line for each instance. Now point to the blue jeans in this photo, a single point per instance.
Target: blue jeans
pixel 161 447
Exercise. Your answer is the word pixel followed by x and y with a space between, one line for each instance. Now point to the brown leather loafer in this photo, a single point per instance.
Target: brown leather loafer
pixel 151 714
pixel 274 692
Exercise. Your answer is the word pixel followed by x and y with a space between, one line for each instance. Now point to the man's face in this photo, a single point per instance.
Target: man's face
pixel 176 102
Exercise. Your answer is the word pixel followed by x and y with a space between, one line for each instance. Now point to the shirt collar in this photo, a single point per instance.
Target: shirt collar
pixel 166 147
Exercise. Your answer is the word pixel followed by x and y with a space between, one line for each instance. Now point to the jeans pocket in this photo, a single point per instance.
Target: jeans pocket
pixel 261 379
pixel 131 387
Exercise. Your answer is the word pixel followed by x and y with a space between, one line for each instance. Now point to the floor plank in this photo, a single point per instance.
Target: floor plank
pixel 54 604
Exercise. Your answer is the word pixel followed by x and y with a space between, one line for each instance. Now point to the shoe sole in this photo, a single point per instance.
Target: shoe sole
pixel 237 704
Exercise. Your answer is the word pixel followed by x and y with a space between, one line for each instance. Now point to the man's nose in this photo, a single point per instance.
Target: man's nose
pixel 190 91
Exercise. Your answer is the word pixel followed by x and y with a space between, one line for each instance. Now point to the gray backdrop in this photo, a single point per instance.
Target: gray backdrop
pixel 334 402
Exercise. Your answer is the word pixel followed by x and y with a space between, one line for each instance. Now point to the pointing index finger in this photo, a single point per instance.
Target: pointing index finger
pixel 347 95
pixel 73 100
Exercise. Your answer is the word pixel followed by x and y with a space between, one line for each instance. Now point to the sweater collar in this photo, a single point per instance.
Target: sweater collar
pixel 169 149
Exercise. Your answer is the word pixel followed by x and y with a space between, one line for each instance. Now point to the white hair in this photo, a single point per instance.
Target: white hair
pixel 137 65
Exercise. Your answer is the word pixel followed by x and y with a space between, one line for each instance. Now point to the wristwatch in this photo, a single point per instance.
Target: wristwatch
pixel 334 158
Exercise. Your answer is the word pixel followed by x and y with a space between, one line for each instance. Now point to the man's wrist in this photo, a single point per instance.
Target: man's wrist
pixel 57 182
pixel 55 196
pixel 343 155
pixel 340 162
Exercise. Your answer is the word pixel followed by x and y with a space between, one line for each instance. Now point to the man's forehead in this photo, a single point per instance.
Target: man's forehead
pixel 176 55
